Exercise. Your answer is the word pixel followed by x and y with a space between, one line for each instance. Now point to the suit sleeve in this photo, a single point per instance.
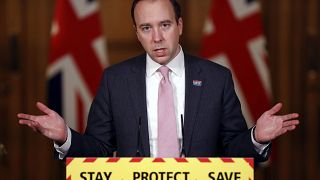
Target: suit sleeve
pixel 99 137
pixel 236 137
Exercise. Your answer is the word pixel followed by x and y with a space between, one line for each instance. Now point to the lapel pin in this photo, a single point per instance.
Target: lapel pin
pixel 197 83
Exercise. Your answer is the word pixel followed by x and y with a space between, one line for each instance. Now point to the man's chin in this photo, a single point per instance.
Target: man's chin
pixel 161 59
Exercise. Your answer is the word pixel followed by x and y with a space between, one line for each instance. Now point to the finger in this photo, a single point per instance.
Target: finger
pixel 27 116
pixel 20 115
pixel 289 116
pixel 35 126
pixel 290 128
pixel 25 122
pixel 276 108
pixel 286 129
pixel 32 127
pixel 281 132
pixel 290 123
pixel 44 108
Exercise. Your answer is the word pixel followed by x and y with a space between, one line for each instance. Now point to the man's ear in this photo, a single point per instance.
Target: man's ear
pixel 135 29
pixel 180 25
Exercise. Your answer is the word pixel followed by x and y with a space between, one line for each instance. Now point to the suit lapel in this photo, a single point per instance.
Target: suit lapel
pixel 193 89
pixel 137 88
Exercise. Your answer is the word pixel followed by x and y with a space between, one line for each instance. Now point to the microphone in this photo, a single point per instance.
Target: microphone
pixel 138 154
pixel 182 152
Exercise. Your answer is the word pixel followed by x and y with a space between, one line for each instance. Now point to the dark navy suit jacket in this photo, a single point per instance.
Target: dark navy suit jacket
pixel 213 122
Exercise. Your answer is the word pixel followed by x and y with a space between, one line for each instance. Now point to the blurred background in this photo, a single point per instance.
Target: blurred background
pixel 291 30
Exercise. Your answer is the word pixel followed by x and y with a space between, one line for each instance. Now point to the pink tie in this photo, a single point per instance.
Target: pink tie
pixel 168 144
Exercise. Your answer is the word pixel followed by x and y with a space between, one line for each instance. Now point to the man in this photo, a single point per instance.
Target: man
pixel 164 103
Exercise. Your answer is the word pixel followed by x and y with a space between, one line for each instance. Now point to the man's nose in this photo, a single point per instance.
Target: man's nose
pixel 157 35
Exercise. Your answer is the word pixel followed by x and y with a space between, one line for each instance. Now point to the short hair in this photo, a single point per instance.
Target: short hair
pixel 175 5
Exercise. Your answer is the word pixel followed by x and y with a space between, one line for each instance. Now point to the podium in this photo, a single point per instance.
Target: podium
pixel 160 168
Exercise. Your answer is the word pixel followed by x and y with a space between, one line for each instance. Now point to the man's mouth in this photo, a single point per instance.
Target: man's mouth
pixel 160 51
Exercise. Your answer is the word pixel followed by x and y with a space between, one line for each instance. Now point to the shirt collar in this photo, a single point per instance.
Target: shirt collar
pixel 176 65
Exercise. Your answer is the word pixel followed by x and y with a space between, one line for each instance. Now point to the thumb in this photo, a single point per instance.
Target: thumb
pixel 276 108
pixel 43 108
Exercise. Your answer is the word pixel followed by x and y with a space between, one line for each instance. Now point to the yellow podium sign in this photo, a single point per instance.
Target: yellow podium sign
pixel 160 168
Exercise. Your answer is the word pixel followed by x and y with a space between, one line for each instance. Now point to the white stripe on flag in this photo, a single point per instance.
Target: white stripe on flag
pixel 208 27
pixel 243 9
pixel 99 46
pixel 83 8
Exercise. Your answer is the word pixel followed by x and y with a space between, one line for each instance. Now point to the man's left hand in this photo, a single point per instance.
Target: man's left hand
pixel 269 126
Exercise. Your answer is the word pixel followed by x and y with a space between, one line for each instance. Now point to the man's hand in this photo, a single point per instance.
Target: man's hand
pixel 269 126
pixel 51 125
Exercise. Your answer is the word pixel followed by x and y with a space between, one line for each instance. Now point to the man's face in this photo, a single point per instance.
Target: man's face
pixel 157 29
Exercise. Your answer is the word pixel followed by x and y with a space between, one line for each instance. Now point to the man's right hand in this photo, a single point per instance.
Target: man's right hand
pixel 51 125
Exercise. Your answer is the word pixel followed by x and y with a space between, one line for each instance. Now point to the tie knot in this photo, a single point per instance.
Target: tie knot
pixel 164 70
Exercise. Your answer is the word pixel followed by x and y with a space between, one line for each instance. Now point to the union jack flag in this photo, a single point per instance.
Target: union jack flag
pixel 233 37
pixel 77 59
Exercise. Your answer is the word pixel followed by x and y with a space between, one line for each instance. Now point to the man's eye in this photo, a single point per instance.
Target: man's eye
pixel 166 25
pixel 145 28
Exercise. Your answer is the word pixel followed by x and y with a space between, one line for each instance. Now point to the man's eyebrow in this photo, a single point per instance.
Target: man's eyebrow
pixel 166 21
pixel 144 24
